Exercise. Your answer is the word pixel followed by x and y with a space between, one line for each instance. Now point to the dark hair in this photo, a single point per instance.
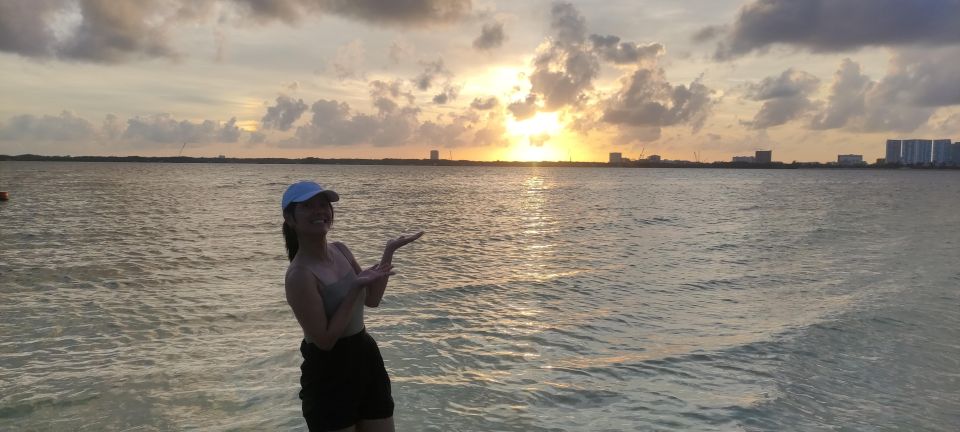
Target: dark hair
pixel 290 234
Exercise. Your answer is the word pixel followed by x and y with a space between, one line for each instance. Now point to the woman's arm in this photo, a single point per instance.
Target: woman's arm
pixel 375 289
pixel 307 305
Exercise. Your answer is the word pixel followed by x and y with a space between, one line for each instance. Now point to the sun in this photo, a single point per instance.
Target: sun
pixel 532 137
pixel 542 123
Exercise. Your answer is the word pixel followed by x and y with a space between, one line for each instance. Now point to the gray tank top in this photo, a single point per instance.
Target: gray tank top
pixel 333 295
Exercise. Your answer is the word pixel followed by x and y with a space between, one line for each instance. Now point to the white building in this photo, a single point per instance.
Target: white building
pixel 850 159
pixel 894 151
pixel 941 151
pixel 917 151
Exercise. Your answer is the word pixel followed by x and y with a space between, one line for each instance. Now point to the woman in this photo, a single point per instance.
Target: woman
pixel 344 383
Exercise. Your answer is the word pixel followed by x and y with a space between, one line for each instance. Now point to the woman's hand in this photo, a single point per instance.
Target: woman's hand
pixel 397 243
pixel 374 273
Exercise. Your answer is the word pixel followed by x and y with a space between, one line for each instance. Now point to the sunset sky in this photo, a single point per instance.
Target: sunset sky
pixel 480 80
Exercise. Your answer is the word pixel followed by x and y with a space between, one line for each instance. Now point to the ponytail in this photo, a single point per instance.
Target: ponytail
pixel 290 238
pixel 289 234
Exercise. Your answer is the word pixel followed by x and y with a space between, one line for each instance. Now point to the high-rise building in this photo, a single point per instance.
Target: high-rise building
pixel 434 155
pixel 955 149
pixel 764 156
pixel 917 151
pixel 941 151
pixel 850 159
pixel 894 151
pixel 616 157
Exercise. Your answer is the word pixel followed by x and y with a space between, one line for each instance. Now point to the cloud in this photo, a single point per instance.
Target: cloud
pixel 610 48
pixel 334 124
pixel 406 13
pixel 708 33
pixel 401 13
pixel 785 97
pixel 647 100
pixel 525 108
pixel 484 103
pixel 448 94
pixel 847 97
pixel 432 70
pixel 398 51
pixel 105 31
pixel 108 31
pixel 840 25
pixel 397 122
pixel 25 28
pixel 917 83
pixel 491 36
pixel 66 127
pixel 349 60
pixel 284 113
pixel 568 24
pixel 164 129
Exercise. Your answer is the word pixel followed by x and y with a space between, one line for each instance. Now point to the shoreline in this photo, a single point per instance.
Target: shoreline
pixel 447 162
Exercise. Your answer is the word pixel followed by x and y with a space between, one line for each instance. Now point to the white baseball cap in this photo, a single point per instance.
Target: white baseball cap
pixel 304 190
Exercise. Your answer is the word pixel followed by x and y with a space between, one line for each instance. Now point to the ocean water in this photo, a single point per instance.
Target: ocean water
pixel 150 297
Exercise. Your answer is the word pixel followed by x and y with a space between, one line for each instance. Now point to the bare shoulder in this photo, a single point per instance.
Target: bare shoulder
pixel 348 255
pixel 342 247
pixel 299 277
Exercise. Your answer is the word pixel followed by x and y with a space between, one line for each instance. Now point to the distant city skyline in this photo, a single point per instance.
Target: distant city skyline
pixel 487 80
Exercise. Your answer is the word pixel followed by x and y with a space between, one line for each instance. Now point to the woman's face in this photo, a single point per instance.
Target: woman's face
pixel 313 216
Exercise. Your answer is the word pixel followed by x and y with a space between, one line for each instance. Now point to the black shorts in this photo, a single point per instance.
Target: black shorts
pixel 342 386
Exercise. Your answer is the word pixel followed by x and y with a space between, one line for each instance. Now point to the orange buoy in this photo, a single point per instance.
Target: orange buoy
pixel 4 196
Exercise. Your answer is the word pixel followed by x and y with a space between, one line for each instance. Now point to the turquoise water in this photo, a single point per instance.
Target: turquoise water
pixel 150 297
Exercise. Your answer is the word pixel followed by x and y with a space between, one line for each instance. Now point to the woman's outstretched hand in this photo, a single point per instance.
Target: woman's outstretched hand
pixel 374 273
pixel 397 243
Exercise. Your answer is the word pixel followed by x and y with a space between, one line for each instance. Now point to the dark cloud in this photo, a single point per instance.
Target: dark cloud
pixel 491 36
pixel 610 49
pixel 785 97
pixel 111 31
pixel 397 12
pixel 790 83
pixel 917 83
pixel 562 74
pixel 708 33
pixel 230 132
pixel 927 78
pixel 108 31
pixel 25 28
pixel 647 100
pixel 257 137
pixel 164 129
pixel 431 71
pixel 404 13
pixel 282 115
pixel 484 104
pixel 524 109
pixel 847 97
pixel 568 25
pixel 841 25
pixel 334 124
pixel 448 94
pixel 66 127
